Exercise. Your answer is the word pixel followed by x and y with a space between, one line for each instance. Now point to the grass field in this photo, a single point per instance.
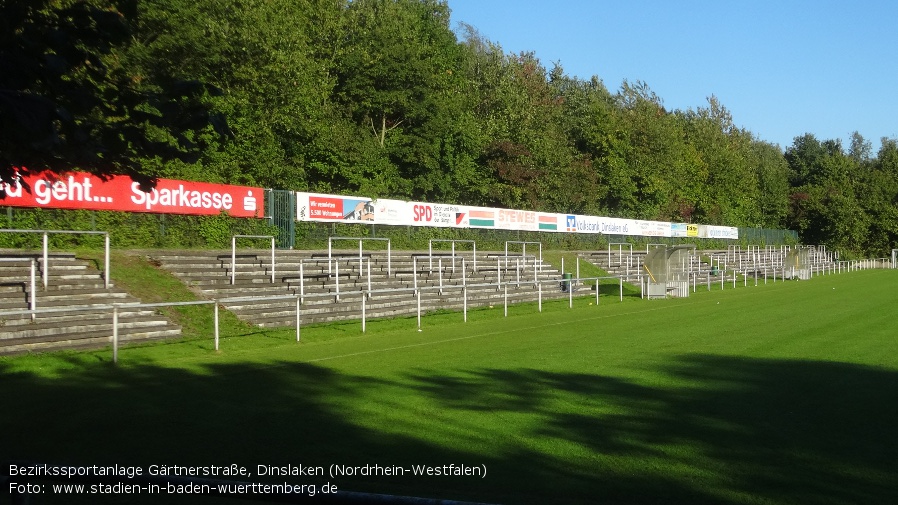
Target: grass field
pixel 777 394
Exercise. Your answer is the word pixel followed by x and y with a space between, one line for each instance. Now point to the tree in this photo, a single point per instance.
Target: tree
pixel 826 201
pixel 399 80
pixel 67 103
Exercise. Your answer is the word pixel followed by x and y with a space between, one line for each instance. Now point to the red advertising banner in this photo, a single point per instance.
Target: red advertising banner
pixel 76 190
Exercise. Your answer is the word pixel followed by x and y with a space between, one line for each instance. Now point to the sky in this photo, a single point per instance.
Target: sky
pixel 782 68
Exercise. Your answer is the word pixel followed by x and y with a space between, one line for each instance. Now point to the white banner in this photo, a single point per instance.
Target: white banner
pixel 395 212
pixel 354 209
pixel 434 214
pixel 723 232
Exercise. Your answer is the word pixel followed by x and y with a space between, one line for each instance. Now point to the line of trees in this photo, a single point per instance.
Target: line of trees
pixel 383 98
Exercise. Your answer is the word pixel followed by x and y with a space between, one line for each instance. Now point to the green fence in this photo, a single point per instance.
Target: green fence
pixel 136 230
pixel 127 230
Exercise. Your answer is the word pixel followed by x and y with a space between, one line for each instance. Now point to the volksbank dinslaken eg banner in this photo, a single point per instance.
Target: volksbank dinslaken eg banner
pixel 355 209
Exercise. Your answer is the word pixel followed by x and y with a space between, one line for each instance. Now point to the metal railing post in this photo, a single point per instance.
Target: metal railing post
pixel 337 278
pixel 570 295
pixel 115 333
pixel 418 296
pixel 505 300
pixel 302 282
pixel 233 256
pixel 106 260
pixel 453 257
pixel 463 273
pixel 45 271
pixel 298 312
pixel 475 257
pixel 32 302
pixel 215 322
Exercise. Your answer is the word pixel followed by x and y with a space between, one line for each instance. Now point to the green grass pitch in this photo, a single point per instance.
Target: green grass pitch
pixel 777 394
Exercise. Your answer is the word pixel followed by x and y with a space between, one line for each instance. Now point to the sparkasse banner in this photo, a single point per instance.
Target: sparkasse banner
pixel 77 190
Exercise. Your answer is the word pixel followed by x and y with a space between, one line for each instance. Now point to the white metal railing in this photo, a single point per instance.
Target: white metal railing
pixel 32 292
pixel 116 308
pixel 45 270
pixel 464 272
pixel 234 253
pixel 330 241
pixel 620 251
pixel 524 249
pixel 537 265
pixel 453 241
pixel 499 286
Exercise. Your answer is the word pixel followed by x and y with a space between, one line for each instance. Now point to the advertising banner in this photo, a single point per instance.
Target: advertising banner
pixel 353 209
pixel 77 190
pixel 332 208
pixel 651 228
pixel 684 230
pixel 549 222
pixel 523 220
pixel 476 217
pixel 582 224
pixel 722 232
pixel 435 214
pixel 395 212
pixel 616 226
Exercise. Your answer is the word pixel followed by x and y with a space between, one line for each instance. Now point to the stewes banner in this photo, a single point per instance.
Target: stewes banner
pixel 354 209
pixel 78 190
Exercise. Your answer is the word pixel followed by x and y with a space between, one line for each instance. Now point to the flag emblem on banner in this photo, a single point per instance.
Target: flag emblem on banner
pixel 548 223
pixel 482 218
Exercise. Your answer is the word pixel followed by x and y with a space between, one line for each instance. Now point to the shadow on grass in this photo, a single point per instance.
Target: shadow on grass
pixel 712 429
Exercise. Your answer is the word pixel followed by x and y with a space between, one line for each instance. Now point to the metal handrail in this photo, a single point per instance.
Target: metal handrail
pixel 234 253
pixel 32 293
pixel 360 239
pixel 524 248
pixel 453 241
pixel 45 271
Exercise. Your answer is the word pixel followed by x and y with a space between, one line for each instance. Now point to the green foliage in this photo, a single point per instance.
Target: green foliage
pixel 381 98
pixel 68 101
pixel 636 402
pixel 126 230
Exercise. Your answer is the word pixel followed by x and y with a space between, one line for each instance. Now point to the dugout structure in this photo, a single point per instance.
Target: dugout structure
pixel 667 271
pixel 797 264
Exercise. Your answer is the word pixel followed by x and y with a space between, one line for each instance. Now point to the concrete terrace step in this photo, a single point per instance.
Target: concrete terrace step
pixel 90 339
pixel 348 311
pixel 75 316
pixel 78 287
pixel 210 272
pixel 45 327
